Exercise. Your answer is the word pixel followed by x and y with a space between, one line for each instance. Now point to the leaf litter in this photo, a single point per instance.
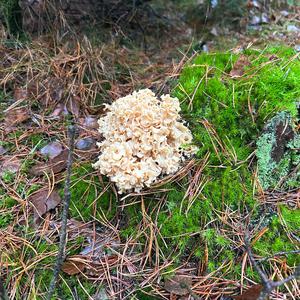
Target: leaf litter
pixel 43 201
pixel 52 150
pixel 55 165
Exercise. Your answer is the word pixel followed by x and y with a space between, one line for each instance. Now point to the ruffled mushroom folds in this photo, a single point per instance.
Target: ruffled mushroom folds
pixel 144 139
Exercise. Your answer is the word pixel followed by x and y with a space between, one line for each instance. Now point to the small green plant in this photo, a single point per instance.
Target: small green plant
pixel 5 219
pixel 8 176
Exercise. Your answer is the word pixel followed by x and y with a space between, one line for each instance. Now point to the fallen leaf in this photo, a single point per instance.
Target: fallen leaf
pixel 214 31
pixel 250 294
pixel 253 4
pixel 42 201
pixel 239 67
pixel 72 267
pixel 15 116
pixel 90 122
pixel 178 285
pixel 55 89
pixel 60 109
pixel 56 164
pixel 284 13
pixel 85 143
pixel 92 266
pixel 52 149
pixel 255 20
pixel 102 295
pixel 10 164
pixel 265 19
pixel 73 106
pixel 2 150
pixel 293 28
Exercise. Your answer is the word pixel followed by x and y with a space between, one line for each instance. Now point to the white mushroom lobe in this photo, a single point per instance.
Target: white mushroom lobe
pixel 143 140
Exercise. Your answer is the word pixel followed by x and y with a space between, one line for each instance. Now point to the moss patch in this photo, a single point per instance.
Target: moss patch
pixel 226 115
pixel 88 196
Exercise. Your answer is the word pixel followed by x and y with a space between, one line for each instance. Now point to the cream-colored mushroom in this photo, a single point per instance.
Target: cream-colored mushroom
pixel 142 140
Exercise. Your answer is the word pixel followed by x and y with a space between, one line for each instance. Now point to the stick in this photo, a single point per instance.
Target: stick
pixel 63 233
pixel 268 285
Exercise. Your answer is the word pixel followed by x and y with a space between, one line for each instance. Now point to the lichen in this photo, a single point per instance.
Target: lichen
pixel 278 153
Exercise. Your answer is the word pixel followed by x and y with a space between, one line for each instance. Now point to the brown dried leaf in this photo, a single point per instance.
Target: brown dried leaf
pixel 42 201
pixel 60 109
pixel 250 294
pixel 2 150
pixel 73 106
pixel 52 149
pixel 93 266
pixel 10 164
pixel 72 267
pixel 16 115
pixel 89 122
pixel 239 67
pixel 178 285
pixel 56 164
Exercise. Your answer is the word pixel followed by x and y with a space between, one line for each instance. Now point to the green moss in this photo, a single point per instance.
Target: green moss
pixel 140 295
pixel 276 239
pixel 5 219
pixel 37 141
pixel 7 202
pixel 291 219
pixel 226 116
pixel 8 176
pixel 88 200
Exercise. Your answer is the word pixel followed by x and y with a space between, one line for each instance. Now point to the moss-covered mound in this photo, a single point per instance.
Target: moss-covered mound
pixel 227 100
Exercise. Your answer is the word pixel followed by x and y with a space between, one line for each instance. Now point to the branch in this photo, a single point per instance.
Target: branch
pixel 67 197
pixel 268 285
pixel 282 253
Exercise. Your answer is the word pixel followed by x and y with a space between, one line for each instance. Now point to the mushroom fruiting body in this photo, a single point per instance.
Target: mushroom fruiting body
pixel 143 140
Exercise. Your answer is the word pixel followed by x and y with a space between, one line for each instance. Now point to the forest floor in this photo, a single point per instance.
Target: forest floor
pixel 44 86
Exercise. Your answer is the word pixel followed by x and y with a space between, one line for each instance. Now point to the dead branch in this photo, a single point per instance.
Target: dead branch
pixel 268 285
pixel 64 218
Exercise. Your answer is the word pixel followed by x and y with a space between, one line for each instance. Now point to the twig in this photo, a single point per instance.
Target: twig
pixel 268 285
pixel 191 291
pixel 63 232
pixel 282 253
